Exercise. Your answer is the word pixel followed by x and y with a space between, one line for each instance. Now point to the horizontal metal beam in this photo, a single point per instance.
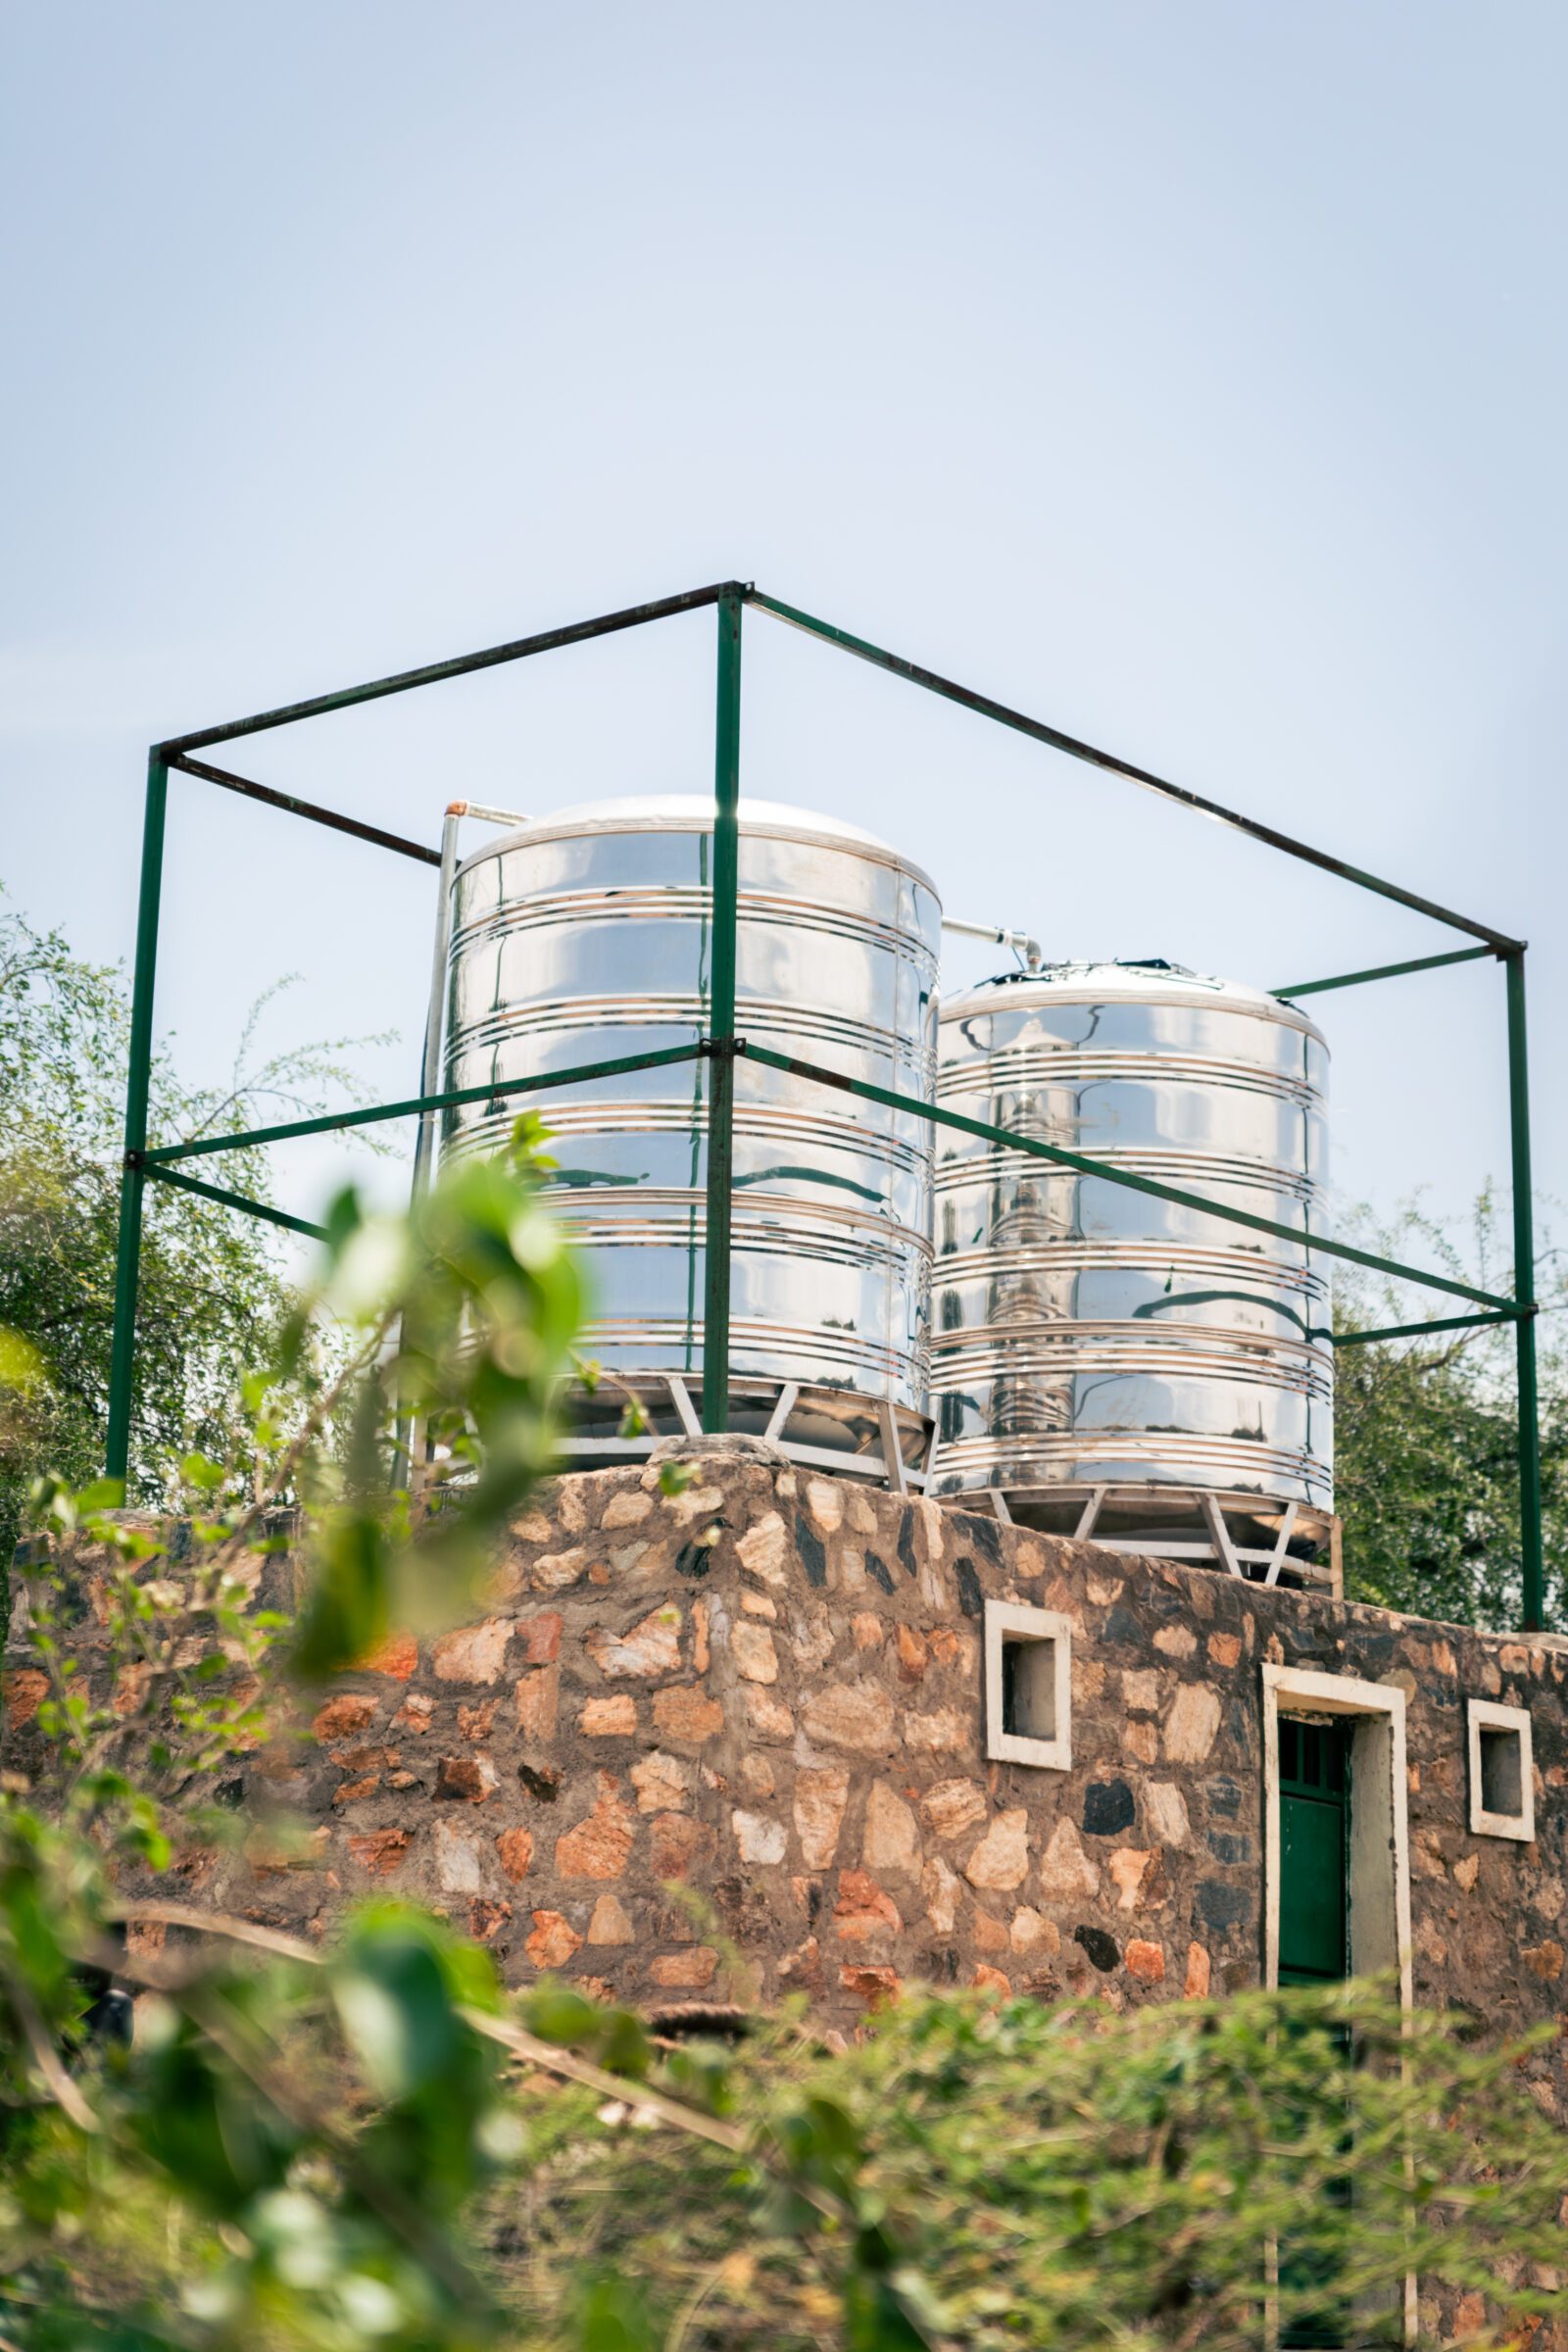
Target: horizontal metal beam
pixel 228 1200
pixel 333 1121
pixel 1383 972
pixel 308 808
pixel 461 666
pixel 156 1163
pixel 1076 749
pixel 935 1115
pixel 1415 1331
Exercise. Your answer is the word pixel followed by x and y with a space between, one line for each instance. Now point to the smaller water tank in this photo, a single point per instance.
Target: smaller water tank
pixel 1091 1340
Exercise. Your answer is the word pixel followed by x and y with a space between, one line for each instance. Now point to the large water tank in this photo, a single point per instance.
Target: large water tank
pixel 1093 1339
pixel 588 934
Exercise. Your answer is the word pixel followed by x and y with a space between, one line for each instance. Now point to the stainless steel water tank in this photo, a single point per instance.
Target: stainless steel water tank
pixel 1089 1337
pixel 587 935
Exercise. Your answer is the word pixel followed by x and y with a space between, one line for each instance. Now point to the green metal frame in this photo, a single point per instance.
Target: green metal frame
pixel 721 1045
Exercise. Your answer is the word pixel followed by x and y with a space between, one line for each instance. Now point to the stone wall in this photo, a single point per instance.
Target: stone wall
pixel 729 1744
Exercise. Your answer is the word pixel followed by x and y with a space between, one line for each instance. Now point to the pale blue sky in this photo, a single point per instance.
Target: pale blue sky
pixel 1189 374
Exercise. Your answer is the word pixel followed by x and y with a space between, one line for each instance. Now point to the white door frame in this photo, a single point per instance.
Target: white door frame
pixel 1380 1840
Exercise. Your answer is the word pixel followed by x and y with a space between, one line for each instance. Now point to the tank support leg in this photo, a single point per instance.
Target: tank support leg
pixel 1219 1534
pixel 721 1021
pixel 1282 1548
pixel 892 1450
pixel 1088 1516
pixel 685 1412
pixel 781 1411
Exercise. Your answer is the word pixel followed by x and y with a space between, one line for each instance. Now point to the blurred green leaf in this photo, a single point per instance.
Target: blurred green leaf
pixel 396 2011
pixel 612 2316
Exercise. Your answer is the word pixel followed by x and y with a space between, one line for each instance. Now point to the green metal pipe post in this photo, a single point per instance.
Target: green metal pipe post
pixel 127 1263
pixel 432 673
pixel 292 805
pixel 1531 1547
pixel 228 1200
pixel 721 1021
pixel 1419 1331
pixel 1382 971
pixel 491 1089
pixel 1076 749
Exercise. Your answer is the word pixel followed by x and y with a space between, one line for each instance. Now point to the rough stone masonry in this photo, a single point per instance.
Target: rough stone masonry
pixel 729 1744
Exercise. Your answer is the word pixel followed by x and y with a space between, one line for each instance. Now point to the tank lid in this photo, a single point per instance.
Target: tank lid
pixel 693 813
pixel 1139 979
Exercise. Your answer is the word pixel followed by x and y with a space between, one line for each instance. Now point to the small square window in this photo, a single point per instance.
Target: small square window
pixel 1501 1773
pixel 1502 1793
pixel 1028 1685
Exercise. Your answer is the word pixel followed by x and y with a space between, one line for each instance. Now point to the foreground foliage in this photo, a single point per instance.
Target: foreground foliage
pixel 306 2187
pixel 369 2144
pixel 1014 2177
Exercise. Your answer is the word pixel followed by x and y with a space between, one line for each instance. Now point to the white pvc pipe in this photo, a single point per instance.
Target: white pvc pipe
pixel 1028 950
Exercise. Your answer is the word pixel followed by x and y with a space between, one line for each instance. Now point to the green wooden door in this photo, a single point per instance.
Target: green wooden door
pixel 1315 1949
pixel 1314 1851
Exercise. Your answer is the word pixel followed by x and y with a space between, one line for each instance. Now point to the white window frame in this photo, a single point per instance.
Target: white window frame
pixel 1016 1617
pixel 1487 1715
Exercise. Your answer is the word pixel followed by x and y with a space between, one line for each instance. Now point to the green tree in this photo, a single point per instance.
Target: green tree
pixel 1426 1465
pixel 213 1294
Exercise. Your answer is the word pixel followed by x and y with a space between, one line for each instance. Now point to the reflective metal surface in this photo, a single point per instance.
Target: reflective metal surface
pixel 587 935
pixel 1089 1336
